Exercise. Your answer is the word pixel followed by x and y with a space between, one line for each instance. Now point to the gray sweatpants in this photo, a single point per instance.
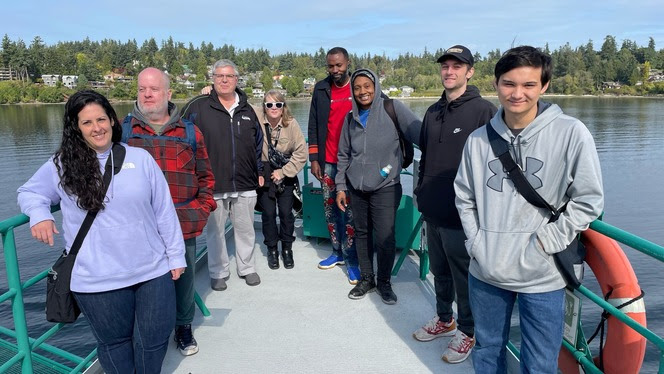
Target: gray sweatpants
pixel 241 211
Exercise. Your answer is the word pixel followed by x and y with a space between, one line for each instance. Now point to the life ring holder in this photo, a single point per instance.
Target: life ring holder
pixel 624 349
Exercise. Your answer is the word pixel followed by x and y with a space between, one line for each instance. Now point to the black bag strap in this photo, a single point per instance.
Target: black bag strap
pixel 389 108
pixel 268 135
pixel 500 148
pixel 112 167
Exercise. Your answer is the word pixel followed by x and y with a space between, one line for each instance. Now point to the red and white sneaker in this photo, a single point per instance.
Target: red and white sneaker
pixel 459 348
pixel 435 329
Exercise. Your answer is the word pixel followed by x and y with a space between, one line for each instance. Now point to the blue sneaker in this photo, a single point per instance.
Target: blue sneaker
pixel 353 274
pixel 331 262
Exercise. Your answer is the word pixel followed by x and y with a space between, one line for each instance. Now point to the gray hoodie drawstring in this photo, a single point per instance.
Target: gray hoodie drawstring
pixel 516 150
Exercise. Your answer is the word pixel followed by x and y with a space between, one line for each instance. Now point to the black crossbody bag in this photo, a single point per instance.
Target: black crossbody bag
pixel 575 253
pixel 60 303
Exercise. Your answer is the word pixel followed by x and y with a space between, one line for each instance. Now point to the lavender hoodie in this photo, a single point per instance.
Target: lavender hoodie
pixel 137 237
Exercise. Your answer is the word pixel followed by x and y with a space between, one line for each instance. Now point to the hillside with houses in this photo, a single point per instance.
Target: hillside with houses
pixel 49 73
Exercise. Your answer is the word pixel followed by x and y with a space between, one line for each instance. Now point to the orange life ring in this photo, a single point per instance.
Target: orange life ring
pixel 624 348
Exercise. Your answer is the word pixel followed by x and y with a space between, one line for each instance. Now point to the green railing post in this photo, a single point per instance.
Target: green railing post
pixel 201 305
pixel 18 309
pixel 404 252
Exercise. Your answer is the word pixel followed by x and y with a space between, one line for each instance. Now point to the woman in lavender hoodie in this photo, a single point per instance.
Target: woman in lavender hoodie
pixel 123 275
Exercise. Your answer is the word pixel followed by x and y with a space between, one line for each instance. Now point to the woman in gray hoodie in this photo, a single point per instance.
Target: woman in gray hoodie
pixel 370 162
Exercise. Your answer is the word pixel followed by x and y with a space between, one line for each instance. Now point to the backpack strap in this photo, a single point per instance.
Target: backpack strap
pixel 501 150
pixel 407 150
pixel 126 128
pixel 389 108
pixel 190 130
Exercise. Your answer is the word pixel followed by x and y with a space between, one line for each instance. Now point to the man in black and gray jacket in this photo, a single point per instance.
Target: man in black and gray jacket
pixel 234 142
pixel 445 128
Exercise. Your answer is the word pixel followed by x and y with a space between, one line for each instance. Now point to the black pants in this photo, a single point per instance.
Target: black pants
pixel 377 210
pixel 449 265
pixel 284 201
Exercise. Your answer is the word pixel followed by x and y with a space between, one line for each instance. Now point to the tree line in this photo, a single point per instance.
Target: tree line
pixel 577 70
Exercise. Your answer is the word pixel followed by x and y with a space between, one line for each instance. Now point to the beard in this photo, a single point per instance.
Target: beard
pixel 154 112
pixel 341 79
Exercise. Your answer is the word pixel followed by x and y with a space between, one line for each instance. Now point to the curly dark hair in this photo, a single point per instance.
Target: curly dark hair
pixel 76 162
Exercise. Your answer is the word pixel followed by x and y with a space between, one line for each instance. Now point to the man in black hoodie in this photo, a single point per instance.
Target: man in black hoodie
pixel 445 128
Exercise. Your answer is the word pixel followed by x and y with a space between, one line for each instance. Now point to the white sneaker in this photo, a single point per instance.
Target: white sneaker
pixel 435 329
pixel 459 348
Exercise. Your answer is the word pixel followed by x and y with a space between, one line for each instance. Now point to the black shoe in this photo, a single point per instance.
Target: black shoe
pixel 273 257
pixel 287 255
pixel 185 340
pixel 364 286
pixel 386 293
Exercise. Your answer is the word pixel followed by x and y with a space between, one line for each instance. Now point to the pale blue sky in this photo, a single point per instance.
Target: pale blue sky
pixel 375 26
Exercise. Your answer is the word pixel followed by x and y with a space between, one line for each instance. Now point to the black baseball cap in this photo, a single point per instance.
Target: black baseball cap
pixel 459 52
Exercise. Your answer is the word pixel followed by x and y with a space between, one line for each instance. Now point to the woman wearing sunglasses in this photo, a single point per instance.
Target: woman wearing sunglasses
pixel 284 155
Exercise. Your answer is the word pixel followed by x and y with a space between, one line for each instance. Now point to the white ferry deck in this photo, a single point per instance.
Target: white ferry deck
pixel 301 320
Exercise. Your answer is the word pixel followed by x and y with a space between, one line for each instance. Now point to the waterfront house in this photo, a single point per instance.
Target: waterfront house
pixel 70 81
pixel 406 91
pixel 50 80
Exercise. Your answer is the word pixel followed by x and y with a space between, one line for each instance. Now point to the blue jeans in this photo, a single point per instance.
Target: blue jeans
pixel 131 324
pixel 339 224
pixel 540 318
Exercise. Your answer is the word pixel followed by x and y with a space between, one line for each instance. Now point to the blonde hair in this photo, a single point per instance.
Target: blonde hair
pixel 286 115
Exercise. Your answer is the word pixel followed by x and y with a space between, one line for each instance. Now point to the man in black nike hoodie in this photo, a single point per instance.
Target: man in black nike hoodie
pixel 445 128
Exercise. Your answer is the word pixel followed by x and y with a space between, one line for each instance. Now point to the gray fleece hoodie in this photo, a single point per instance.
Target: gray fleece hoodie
pixel 364 151
pixel 172 111
pixel 558 156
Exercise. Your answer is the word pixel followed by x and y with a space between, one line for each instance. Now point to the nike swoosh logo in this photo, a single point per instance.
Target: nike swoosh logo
pixel 456 130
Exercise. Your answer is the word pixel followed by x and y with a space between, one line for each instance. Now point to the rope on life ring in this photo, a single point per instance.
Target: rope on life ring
pixel 625 348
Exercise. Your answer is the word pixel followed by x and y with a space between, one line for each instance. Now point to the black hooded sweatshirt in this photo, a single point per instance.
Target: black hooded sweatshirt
pixel 445 128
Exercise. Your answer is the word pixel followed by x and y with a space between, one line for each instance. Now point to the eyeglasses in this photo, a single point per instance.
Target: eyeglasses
pixel 279 105
pixel 222 76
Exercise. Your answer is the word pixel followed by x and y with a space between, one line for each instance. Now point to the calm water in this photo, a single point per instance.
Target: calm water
pixel 629 134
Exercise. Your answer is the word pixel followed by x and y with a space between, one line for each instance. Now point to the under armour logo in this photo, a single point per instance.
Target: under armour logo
pixel 458 129
pixel 533 165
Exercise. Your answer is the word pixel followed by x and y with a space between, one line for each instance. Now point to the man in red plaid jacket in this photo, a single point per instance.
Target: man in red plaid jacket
pixel 179 149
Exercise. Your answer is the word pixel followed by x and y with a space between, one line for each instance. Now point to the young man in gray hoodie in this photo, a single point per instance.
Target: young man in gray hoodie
pixel 510 241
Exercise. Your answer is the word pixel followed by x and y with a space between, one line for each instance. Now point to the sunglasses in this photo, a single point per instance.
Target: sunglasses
pixel 278 105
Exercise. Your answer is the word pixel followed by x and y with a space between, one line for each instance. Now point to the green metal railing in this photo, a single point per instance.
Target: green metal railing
pixel 25 347
pixel 24 351
pixel 581 350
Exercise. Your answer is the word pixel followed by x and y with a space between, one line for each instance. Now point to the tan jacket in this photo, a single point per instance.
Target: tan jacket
pixel 291 141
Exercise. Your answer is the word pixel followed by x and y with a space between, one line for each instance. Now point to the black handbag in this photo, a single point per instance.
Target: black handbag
pixel 575 252
pixel 60 303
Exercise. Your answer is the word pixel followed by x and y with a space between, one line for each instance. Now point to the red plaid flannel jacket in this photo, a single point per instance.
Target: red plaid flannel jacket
pixel 190 178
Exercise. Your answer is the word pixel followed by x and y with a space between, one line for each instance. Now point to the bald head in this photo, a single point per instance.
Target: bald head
pixel 153 95
pixel 154 71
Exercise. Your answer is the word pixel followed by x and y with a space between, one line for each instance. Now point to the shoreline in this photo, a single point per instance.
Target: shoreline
pixel 253 100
